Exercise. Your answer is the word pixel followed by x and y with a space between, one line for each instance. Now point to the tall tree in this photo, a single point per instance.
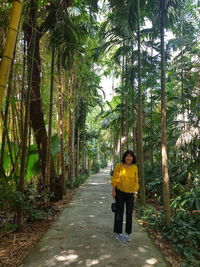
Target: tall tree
pixel 25 135
pixel 140 139
pixel 165 173
pixel 61 122
pixel 36 112
pixel 48 154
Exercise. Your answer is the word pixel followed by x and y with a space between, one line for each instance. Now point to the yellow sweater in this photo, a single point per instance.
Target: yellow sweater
pixel 125 178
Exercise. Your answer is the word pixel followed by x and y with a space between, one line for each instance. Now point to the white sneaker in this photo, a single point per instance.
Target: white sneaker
pixel 128 237
pixel 121 238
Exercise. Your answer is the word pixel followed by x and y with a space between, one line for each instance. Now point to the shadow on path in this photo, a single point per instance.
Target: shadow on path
pixel 83 234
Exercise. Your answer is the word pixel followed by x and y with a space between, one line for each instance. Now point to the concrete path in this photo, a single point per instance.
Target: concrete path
pixel 83 234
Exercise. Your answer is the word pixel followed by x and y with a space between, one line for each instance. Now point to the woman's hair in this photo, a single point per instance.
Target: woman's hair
pixel 129 152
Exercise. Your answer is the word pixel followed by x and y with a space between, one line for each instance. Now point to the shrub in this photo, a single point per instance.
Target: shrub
pixel 37 204
pixel 78 181
pixel 153 176
pixel 183 233
pixel 153 218
pixel 96 168
pixel 10 198
pixel 103 163
pixel 188 200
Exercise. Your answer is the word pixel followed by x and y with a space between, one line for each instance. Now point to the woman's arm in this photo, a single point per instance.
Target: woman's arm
pixel 136 184
pixel 113 192
pixel 115 179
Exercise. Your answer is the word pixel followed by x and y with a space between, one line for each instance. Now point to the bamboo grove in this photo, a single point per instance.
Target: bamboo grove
pixel 44 135
pixel 56 125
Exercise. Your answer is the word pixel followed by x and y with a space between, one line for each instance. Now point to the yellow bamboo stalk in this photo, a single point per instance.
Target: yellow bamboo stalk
pixel 9 46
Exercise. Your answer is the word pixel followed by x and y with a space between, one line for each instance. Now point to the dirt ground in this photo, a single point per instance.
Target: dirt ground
pixel 83 234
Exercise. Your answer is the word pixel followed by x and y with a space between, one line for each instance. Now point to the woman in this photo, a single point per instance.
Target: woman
pixel 124 190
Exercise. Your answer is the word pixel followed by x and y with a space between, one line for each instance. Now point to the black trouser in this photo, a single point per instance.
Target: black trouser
pixel 121 198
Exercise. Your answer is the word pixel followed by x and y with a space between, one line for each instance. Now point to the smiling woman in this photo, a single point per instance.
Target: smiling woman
pixel 124 190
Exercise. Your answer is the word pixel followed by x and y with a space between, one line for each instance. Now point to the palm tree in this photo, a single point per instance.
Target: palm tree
pixel 128 14
pixel 166 14
pixel 61 122
pixel 140 139
pixel 48 154
pixel 165 173
pixel 163 14
pixel 72 127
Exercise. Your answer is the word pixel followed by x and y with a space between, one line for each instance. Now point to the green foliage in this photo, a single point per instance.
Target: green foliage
pixel 32 167
pixel 183 233
pixel 8 154
pixel 150 215
pixel 8 227
pixel 55 144
pixel 78 181
pixel 10 198
pixel 153 181
pixel 37 205
pixel 103 163
pixel 4 18
pixel 188 200
pixel 70 27
pixel 96 167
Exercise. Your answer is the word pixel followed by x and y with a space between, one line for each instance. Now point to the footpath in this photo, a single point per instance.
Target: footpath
pixel 83 234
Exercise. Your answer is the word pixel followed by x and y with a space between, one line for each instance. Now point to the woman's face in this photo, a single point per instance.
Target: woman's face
pixel 129 159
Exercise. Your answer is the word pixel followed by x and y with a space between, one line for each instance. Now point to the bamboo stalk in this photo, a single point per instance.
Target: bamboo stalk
pixel 5 120
pixel 9 46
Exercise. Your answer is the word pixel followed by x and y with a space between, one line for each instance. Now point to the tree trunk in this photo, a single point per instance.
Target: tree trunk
pixel 133 106
pixel 68 115
pixel 61 126
pixel 5 122
pixel 72 130
pixel 21 186
pixel 78 153
pixel 72 147
pixel 151 132
pixel 122 111
pixel 133 119
pixel 8 141
pixel 9 46
pixel 166 192
pixel 48 154
pixel 126 108
pixel 36 113
pixel 140 138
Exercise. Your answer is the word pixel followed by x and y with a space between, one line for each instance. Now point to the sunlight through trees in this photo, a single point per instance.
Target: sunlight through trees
pixel 57 127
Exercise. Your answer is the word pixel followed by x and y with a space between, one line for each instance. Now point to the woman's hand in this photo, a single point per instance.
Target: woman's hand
pixel 113 192
pixel 135 196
